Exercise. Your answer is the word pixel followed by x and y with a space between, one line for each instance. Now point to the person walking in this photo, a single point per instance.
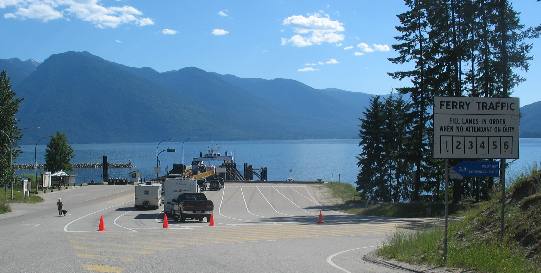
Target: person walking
pixel 59 205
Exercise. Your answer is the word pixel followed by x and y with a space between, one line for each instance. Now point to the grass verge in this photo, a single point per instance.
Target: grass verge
pixel 18 197
pixel 426 248
pixel 474 242
pixel 4 207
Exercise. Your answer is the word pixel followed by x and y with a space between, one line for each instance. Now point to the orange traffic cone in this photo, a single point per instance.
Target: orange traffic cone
pixel 320 218
pixel 211 220
pixel 101 226
pixel 165 221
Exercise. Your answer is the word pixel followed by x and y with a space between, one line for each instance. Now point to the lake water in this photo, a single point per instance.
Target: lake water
pixel 298 159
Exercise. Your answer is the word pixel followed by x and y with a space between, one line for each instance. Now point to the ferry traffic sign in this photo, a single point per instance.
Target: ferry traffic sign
pixel 476 128
pixel 477 169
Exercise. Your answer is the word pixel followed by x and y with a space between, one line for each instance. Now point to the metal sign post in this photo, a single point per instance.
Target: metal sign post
pixel 475 128
pixel 446 211
pixel 502 185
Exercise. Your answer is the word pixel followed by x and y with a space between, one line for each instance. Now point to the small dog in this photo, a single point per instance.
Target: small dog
pixel 64 212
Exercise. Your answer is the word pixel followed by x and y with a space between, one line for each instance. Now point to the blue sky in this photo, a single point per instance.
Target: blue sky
pixel 342 44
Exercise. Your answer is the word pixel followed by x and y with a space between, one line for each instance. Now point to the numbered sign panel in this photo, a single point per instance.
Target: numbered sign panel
pixel 476 127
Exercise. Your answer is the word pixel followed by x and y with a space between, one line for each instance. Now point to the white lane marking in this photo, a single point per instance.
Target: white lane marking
pixel 156 228
pixel 305 197
pixel 220 209
pixel 272 207
pixel 32 225
pixel 319 204
pixel 294 204
pixel 311 196
pixel 331 263
pixel 246 205
pixel 118 225
pixel 261 224
pixel 86 215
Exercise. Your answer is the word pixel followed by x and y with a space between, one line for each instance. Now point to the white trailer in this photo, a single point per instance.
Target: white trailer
pixel 148 196
pixel 173 187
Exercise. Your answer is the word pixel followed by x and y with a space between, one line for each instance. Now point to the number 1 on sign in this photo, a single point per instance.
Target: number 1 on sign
pixel 446 144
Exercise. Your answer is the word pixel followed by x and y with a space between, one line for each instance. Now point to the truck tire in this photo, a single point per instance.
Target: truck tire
pixel 182 218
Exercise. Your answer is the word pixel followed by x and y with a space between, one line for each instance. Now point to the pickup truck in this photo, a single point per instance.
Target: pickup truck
pixel 192 206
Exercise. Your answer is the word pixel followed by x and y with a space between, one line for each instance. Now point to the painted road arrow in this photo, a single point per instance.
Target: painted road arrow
pixel 477 169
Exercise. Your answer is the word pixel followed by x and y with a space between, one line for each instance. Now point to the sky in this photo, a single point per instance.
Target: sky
pixel 325 44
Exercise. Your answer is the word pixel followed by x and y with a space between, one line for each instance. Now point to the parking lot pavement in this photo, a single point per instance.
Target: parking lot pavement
pixel 259 228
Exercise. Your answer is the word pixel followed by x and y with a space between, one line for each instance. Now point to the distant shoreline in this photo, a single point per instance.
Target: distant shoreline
pixel 315 140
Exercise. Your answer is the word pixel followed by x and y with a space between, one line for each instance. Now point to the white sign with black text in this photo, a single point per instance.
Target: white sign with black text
pixel 472 127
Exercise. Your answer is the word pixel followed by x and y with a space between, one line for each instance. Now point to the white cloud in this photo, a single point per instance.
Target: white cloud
pixel 168 31
pixel 358 54
pixel 366 48
pixel 311 67
pixel 7 3
pixel 118 41
pixel 219 32
pixel 381 47
pixel 331 61
pixel 223 13
pixel 307 69
pixel 314 29
pixel 348 47
pixel 92 11
pixel 37 11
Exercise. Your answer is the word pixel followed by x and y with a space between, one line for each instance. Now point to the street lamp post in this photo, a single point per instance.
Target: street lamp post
pixel 186 140
pixel 169 150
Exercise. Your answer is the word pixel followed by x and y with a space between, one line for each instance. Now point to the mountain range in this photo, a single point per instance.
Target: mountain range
pixel 94 100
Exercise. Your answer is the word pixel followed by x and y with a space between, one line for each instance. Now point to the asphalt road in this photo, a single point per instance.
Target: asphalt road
pixel 259 228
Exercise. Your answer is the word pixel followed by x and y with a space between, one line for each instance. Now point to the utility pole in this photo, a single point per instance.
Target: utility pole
pixel 36 162
pixel 10 161
pixel 36 166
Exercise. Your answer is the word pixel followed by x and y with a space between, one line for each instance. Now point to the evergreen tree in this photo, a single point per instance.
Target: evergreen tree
pixel 412 47
pixel 58 154
pixel 398 169
pixel 370 180
pixel 10 134
pixel 455 48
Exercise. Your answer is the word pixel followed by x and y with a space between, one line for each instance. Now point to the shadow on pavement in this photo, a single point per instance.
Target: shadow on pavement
pixel 127 209
pixel 404 223
pixel 148 216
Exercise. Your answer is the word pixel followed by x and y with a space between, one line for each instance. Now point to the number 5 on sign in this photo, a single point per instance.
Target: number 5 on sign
pixel 494 145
